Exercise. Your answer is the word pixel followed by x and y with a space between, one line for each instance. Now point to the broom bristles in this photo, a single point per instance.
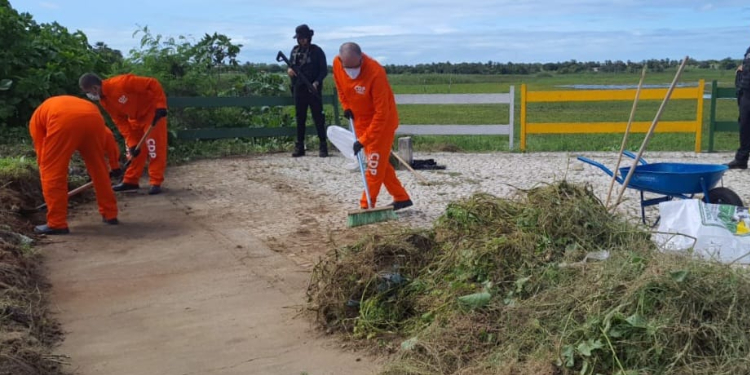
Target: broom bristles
pixel 375 215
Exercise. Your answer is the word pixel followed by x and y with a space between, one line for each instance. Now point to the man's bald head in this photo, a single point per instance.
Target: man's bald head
pixel 351 55
pixel 89 80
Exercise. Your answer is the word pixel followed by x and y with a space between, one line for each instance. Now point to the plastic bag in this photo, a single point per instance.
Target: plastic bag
pixel 343 140
pixel 719 232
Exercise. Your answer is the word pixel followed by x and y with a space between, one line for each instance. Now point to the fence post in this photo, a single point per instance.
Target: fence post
pixel 699 115
pixel 335 102
pixel 712 116
pixel 511 116
pixel 523 117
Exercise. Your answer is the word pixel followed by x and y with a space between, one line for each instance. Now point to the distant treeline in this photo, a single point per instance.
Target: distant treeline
pixel 566 67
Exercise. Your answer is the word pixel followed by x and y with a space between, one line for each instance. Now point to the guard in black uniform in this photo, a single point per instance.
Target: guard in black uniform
pixel 742 82
pixel 309 60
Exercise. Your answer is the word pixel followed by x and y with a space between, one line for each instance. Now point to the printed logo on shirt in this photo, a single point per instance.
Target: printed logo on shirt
pixel 123 99
pixel 360 89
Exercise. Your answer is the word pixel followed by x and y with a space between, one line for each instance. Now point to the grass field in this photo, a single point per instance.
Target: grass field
pixel 559 112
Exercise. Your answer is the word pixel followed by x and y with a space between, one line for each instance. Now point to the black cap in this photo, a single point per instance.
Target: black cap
pixel 303 31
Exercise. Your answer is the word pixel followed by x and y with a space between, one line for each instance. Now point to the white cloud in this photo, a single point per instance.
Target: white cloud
pixel 418 31
pixel 48 5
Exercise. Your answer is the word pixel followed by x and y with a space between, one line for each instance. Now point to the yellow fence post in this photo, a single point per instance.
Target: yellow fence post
pixel 523 117
pixel 699 117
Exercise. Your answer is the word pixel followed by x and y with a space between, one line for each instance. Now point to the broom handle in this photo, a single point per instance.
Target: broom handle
pixel 625 137
pixel 650 132
pixel 417 175
pixel 361 166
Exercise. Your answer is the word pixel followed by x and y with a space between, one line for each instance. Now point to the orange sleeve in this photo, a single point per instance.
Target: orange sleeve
pixel 119 118
pixel 38 130
pixel 381 96
pixel 338 70
pixel 113 151
pixel 150 97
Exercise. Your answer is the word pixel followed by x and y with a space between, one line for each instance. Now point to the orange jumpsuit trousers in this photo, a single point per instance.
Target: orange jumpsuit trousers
pixel 132 101
pixel 370 98
pixel 379 172
pixel 153 150
pixel 59 127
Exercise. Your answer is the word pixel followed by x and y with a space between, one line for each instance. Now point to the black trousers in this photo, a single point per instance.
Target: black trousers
pixel 303 99
pixel 744 105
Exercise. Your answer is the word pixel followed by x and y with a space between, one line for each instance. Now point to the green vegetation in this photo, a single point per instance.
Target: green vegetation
pixel 549 283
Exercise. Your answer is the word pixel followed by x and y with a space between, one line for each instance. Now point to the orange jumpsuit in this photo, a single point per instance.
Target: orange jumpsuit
pixel 371 100
pixel 132 101
pixel 59 127
pixel 112 150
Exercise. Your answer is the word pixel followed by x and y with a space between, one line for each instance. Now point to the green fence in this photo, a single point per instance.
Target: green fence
pixel 209 132
pixel 720 126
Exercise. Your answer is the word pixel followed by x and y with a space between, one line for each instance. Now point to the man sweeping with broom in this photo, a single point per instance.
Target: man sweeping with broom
pixel 368 101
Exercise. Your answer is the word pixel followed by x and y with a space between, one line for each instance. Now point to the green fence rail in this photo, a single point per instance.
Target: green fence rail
pixel 720 126
pixel 248 101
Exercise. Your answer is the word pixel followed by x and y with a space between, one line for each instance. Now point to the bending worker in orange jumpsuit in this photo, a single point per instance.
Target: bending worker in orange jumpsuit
pixel 133 102
pixel 364 92
pixel 60 126
pixel 113 155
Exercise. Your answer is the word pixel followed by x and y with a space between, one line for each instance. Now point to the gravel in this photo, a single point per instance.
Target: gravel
pixel 500 174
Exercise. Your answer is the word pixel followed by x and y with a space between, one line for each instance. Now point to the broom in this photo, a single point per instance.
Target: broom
pixel 369 215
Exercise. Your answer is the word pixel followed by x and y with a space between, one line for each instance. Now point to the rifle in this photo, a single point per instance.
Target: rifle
pixel 281 57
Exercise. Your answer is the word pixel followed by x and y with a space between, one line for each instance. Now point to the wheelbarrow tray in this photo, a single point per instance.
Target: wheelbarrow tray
pixel 674 178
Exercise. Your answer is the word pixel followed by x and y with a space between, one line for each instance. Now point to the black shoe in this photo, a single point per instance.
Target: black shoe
pixel 737 164
pixel 402 204
pixel 44 229
pixel 110 221
pixel 125 187
pixel 323 150
pixel 299 150
pixel 155 189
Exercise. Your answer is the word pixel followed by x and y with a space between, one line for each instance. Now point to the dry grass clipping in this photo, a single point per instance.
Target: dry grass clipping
pixel 27 334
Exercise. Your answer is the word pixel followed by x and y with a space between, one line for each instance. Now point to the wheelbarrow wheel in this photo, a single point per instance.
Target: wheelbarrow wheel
pixel 722 195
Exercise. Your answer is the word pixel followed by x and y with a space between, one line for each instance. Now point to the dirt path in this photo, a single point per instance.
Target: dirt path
pixel 208 278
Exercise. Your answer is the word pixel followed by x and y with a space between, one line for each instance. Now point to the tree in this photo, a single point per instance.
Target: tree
pixel 39 61
pixel 108 56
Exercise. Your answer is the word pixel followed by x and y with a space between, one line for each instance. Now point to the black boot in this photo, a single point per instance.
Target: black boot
pixel 737 164
pixel 401 204
pixel 125 187
pixel 112 221
pixel 44 229
pixel 299 150
pixel 323 149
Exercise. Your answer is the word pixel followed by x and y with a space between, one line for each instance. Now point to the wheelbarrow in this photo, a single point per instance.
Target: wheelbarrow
pixel 674 180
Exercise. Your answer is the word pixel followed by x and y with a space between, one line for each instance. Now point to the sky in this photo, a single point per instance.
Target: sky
pixel 425 31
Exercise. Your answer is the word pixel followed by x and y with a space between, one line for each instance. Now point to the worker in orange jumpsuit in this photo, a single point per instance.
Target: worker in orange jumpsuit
pixel 367 99
pixel 60 126
pixel 134 102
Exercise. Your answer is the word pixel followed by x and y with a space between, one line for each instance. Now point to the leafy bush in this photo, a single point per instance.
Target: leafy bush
pixel 39 61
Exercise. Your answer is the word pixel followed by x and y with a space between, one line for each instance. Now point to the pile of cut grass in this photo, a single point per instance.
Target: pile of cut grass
pixel 519 286
pixel 27 331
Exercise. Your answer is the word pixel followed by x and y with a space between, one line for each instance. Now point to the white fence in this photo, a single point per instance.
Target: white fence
pixel 491 129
